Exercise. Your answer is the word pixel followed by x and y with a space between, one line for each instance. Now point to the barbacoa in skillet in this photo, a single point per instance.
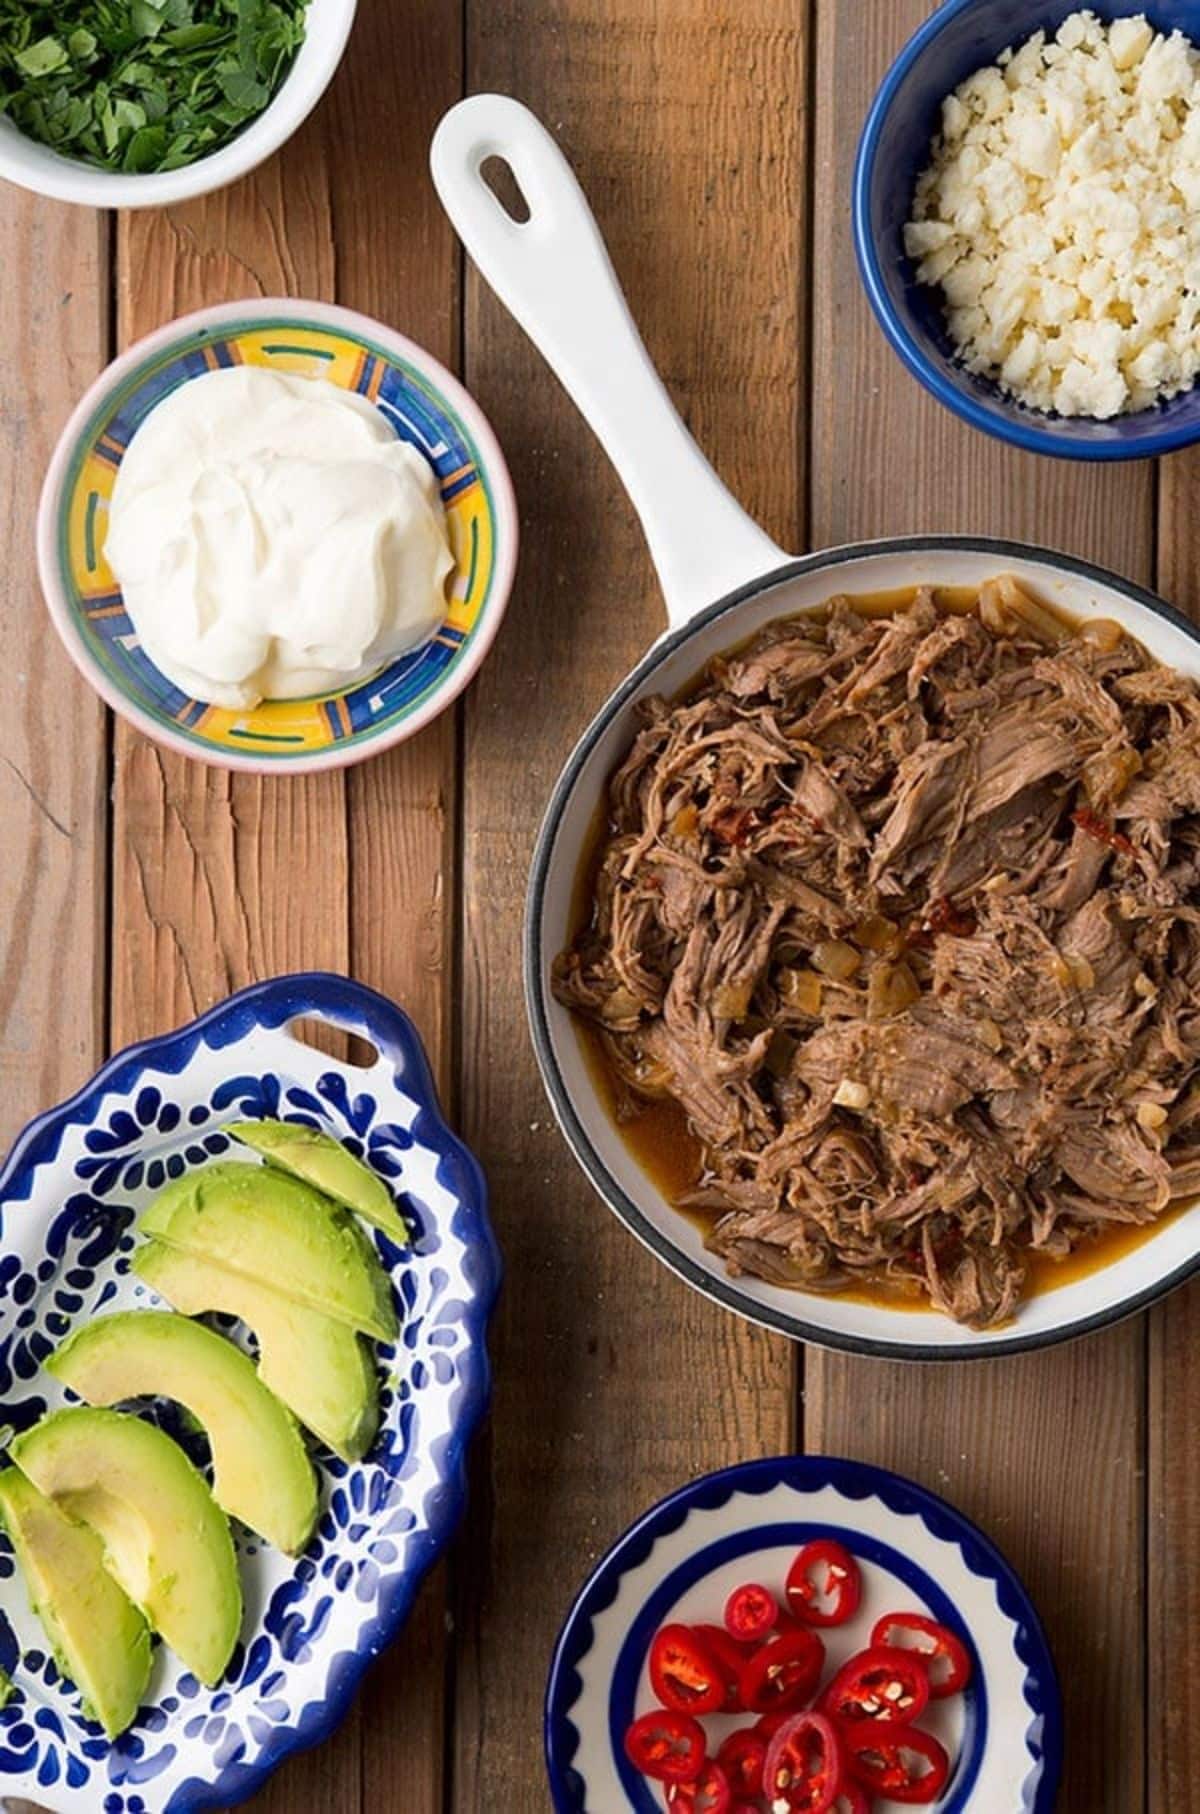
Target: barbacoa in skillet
pixel 904 911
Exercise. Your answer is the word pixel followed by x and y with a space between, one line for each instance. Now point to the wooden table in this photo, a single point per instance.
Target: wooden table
pixel 715 138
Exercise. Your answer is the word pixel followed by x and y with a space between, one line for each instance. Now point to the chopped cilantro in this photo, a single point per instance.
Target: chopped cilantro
pixel 141 85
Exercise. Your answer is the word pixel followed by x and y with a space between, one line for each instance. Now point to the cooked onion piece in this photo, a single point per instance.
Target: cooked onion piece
pixel 904 912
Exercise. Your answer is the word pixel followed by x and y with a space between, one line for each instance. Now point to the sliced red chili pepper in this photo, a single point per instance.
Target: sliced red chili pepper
pixel 746 1807
pixel 850 1799
pixel 683 1672
pixel 878 1684
pixel 900 1763
pixel 708 1794
pixel 824 1584
pixel 782 1673
pixel 742 1757
pixel 804 1768
pixel 670 1747
pixel 727 1655
pixel 946 1658
pixel 751 1613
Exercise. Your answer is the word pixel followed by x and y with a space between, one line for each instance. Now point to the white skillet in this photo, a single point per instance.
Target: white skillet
pixel 722 578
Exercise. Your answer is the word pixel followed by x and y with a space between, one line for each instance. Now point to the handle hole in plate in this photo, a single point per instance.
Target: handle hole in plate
pixel 347 1048
pixel 501 179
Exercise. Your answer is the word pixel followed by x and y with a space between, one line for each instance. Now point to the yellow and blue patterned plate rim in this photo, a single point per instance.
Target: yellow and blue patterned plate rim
pixel 321 725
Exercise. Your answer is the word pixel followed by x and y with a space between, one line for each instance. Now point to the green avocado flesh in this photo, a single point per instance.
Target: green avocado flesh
pixel 261 1472
pixel 281 1232
pixel 324 1163
pixel 166 1541
pixel 97 1634
pixel 321 1370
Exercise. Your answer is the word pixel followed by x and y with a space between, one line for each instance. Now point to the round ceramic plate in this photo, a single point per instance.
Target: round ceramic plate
pixel 425 406
pixel 69 1194
pixel 682 1559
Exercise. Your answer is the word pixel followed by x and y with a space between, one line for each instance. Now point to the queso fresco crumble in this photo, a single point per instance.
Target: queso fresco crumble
pixel 1060 215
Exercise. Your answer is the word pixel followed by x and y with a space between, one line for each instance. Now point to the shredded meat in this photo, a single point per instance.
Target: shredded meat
pixel 904 911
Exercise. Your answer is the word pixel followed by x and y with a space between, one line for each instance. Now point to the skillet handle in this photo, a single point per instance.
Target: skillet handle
pixel 554 275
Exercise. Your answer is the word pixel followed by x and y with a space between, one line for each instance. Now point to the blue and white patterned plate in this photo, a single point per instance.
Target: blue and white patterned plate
pixel 70 1191
pixel 682 1559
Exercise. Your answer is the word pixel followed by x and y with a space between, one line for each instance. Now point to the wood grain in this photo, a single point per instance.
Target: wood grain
pixel 1173 1397
pixel 54 763
pixel 54 325
pixel 614 1382
pixel 1033 1447
pixel 401 265
pixel 688 126
pixel 222 879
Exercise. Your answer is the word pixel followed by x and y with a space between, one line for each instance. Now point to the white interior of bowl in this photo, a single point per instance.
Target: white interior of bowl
pixel 48 172
pixel 1059 1310
pixel 179 335
pixel 1010 1770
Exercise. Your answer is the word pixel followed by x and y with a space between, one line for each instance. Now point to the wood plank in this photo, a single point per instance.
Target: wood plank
pixel 614 1381
pixel 54 768
pixel 54 319
pixel 1173 1399
pixel 221 880
pixel 1032 1447
pixel 398 260
pixel 231 879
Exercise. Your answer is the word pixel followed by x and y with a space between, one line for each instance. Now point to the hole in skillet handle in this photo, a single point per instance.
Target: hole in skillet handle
pixel 501 179
pixel 348 1048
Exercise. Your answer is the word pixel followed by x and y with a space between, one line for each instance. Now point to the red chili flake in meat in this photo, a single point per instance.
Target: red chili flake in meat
pixel 944 916
pixel 1102 830
pixel 734 824
pixel 941 916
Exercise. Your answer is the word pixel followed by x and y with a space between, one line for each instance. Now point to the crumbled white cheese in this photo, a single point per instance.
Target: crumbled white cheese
pixel 1061 217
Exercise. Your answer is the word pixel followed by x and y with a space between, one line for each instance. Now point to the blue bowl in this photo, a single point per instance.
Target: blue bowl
pixel 962 36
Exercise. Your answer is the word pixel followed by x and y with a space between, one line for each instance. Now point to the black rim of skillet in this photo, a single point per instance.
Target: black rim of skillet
pixel 723 1289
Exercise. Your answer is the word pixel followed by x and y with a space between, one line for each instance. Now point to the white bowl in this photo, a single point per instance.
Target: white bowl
pixel 67 179
pixel 681 1559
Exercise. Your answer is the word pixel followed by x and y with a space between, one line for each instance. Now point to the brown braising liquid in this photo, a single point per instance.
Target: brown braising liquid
pixel 659 1136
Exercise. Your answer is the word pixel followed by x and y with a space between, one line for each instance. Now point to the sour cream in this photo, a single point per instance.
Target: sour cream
pixel 273 538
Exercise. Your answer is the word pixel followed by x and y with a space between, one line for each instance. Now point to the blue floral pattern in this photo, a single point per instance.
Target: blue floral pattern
pixel 69 1195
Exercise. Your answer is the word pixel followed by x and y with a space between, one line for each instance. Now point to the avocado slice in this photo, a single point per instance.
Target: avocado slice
pixel 324 1163
pixel 166 1541
pixel 99 1638
pixel 281 1232
pixel 261 1471
pixel 321 1370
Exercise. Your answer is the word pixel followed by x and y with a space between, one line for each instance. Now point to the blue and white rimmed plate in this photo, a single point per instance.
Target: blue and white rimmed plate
pixel 69 1193
pixel 683 1558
